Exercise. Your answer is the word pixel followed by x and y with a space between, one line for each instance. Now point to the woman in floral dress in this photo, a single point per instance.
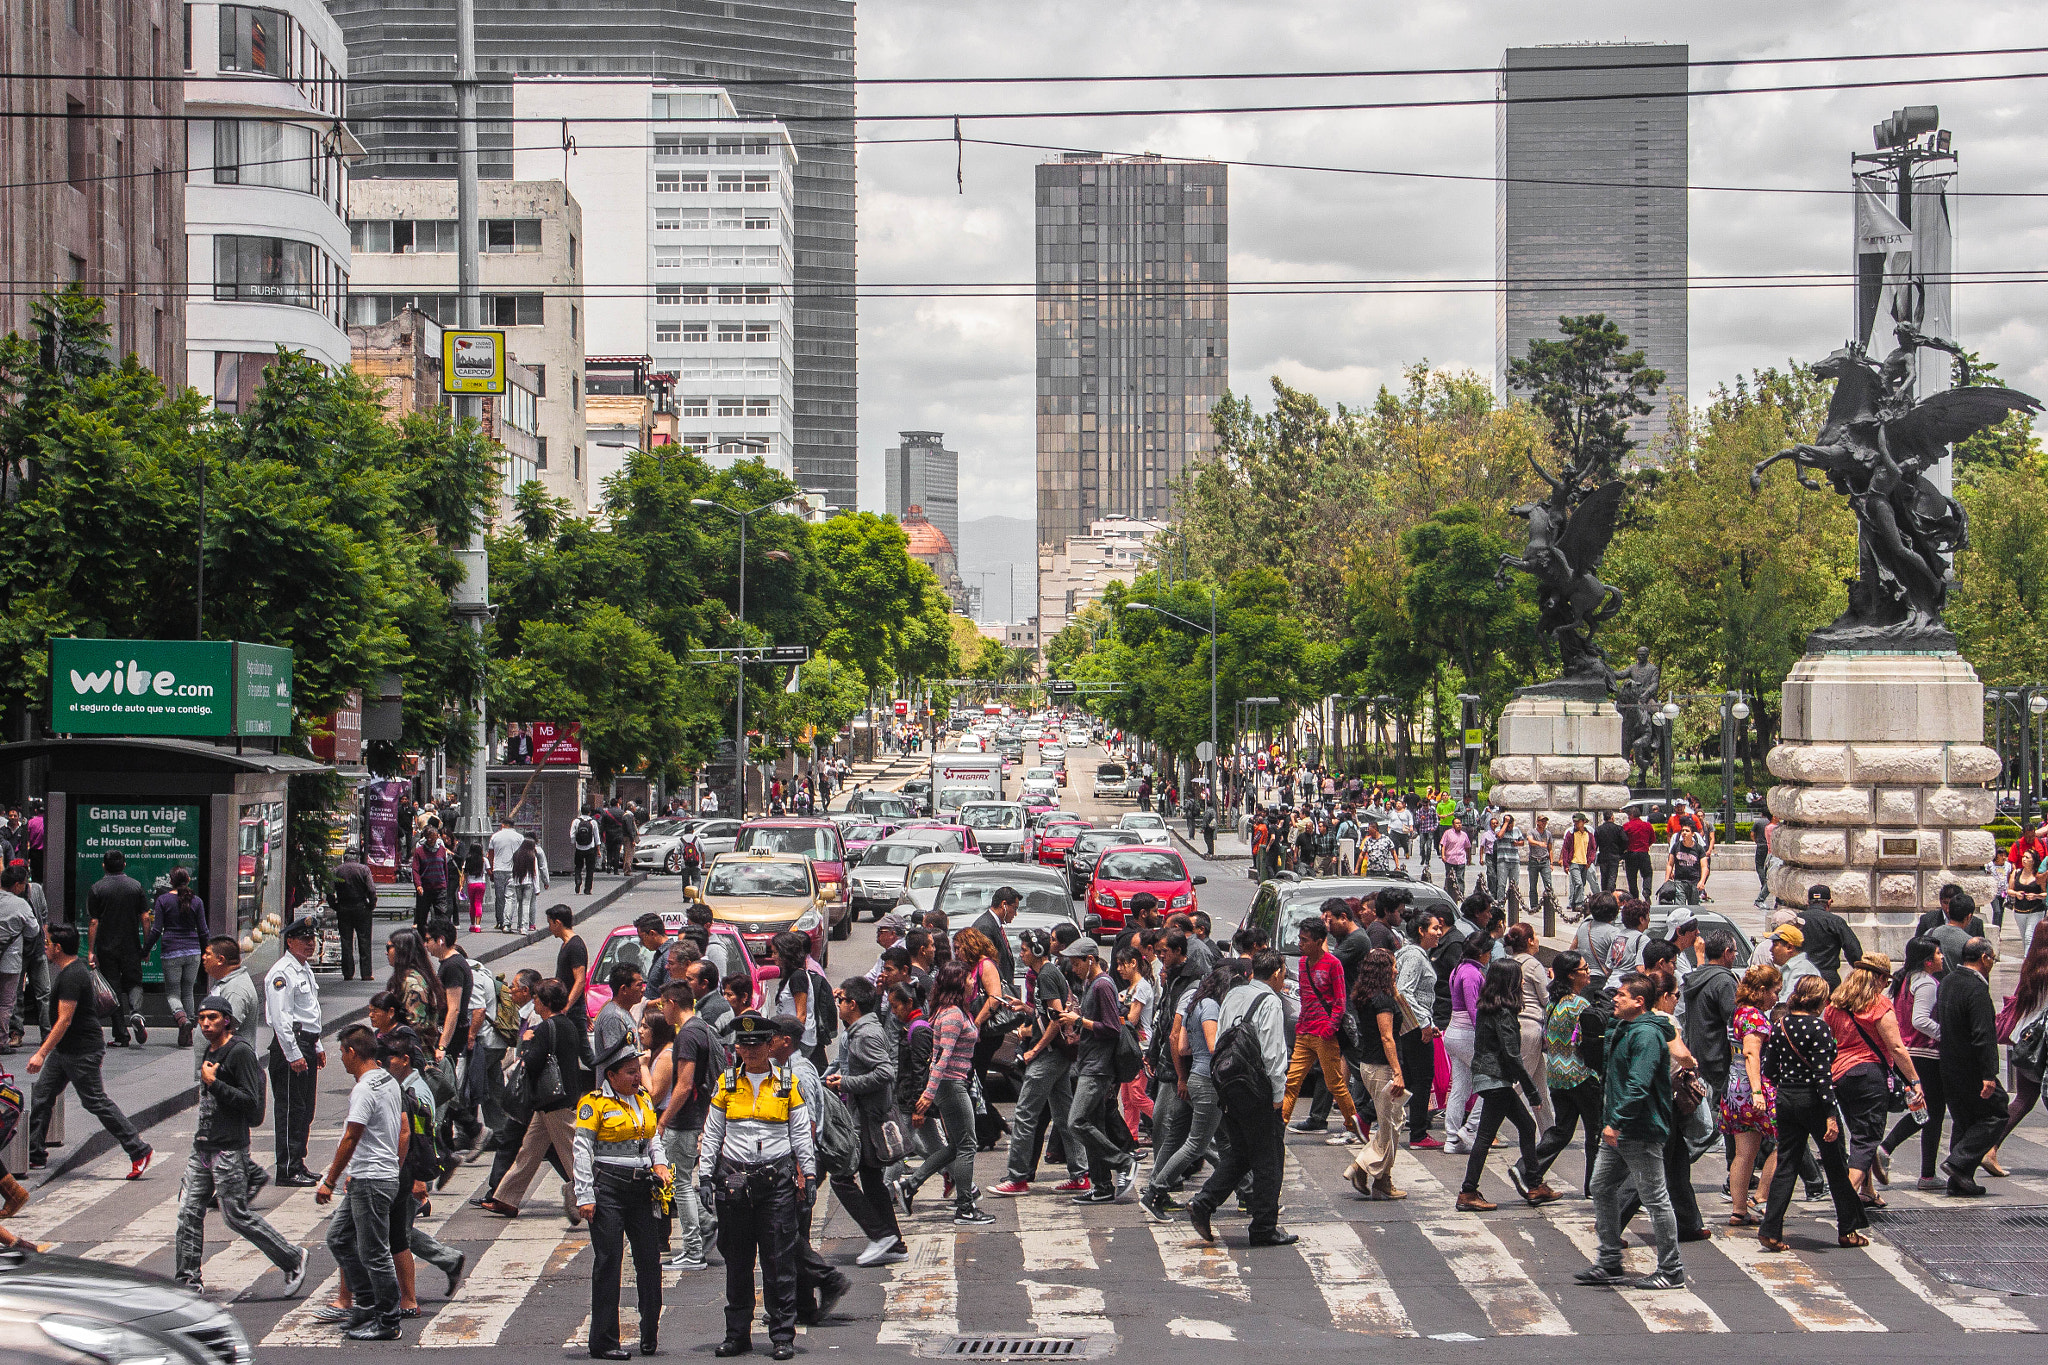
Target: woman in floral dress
pixel 1748 1109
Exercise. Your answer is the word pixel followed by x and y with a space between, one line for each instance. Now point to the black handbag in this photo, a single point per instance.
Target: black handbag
pixel 1895 1086
pixel 547 1090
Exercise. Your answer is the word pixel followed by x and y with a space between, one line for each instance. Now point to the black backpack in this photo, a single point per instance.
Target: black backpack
pixel 424 1158
pixel 1238 1066
pixel 821 1004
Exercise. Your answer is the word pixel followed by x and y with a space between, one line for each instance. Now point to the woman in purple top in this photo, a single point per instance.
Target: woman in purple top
pixel 1466 979
pixel 181 918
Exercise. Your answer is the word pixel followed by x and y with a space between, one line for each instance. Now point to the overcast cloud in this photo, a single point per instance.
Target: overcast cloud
pixel 964 366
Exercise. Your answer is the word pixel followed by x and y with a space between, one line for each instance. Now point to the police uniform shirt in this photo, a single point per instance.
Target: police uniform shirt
pixel 750 1122
pixel 613 1130
pixel 292 1000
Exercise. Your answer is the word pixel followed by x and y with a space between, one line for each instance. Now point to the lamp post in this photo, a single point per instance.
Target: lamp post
pixel 1734 711
pixel 1468 747
pixel 1196 625
pixel 2028 703
pixel 739 711
pixel 1663 718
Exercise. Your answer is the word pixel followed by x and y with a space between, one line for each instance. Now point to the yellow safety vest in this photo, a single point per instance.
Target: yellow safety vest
pixel 769 1102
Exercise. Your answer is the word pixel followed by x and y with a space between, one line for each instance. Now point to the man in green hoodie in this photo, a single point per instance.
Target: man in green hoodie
pixel 1638 1122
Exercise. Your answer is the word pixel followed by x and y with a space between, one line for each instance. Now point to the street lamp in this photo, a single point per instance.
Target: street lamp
pixel 1196 625
pixel 739 714
pixel 1468 744
pixel 1664 718
pixel 1734 710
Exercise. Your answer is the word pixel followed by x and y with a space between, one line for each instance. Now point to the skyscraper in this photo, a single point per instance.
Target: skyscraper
pixel 803 48
pixel 921 472
pixel 1591 205
pixel 1133 333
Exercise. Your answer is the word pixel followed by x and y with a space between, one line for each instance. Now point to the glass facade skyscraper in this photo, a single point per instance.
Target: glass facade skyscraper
pixel 1133 257
pixel 1591 206
pixel 791 43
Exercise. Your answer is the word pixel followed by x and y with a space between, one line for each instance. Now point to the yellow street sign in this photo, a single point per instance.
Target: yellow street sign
pixel 1475 739
pixel 472 362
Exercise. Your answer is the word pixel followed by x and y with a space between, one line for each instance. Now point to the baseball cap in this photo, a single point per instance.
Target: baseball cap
pixel 1819 894
pixel 1789 934
pixel 1680 922
pixel 892 921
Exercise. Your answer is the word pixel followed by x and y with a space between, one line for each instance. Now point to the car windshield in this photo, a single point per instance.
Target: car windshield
pixel 1142 822
pixel 1040 775
pixel 662 827
pixel 882 805
pixel 893 855
pixel 970 895
pixel 928 876
pixel 759 879
pixel 1095 843
pixel 1133 866
pixel 820 842
pixel 1113 770
pixel 867 834
pixel 1292 915
pixel 991 817
pixel 620 948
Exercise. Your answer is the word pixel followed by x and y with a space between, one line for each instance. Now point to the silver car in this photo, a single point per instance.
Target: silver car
pixel 661 843
pixel 877 879
pixel 998 828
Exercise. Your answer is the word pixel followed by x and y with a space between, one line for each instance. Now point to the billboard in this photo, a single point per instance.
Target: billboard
pixel 472 362
pixel 142 687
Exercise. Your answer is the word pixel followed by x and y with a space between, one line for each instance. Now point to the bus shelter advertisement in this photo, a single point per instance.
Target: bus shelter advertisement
pixel 154 837
pixel 141 687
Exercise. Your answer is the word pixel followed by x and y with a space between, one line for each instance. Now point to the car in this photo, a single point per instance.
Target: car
pixel 1054 838
pixel 1041 779
pixel 66 1310
pixel 726 948
pixel 968 889
pixel 998 826
pixel 878 878
pixel 1280 906
pixel 1089 845
pixel 1033 731
pixel 951 838
pixel 896 806
pixel 1146 828
pixel 919 790
pixel 969 743
pixel 816 839
pixel 1124 871
pixel 1077 739
pixel 763 893
pixel 861 835
pixel 921 883
pixel 661 844
pixel 1111 780
pixel 1036 804
pixel 1710 919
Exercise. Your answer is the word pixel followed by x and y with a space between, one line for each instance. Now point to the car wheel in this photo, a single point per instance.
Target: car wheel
pixel 675 862
pixel 842 926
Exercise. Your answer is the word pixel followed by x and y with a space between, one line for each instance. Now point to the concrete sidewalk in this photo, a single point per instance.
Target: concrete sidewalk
pixel 153 1081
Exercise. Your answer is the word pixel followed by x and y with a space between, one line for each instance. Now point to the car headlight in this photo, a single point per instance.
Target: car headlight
pixel 806 922
pixel 106 1341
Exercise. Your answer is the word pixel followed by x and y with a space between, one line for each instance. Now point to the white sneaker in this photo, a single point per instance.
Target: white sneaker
pixel 874 1251
pixel 297 1276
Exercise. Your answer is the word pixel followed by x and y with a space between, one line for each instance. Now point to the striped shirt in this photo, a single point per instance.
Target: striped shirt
pixel 952 1048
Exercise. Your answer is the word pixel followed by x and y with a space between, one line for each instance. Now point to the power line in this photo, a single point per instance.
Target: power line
pixel 1016 115
pixel 625 78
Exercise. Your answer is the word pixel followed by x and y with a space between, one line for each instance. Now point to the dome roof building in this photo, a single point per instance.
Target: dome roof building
pixel 929 546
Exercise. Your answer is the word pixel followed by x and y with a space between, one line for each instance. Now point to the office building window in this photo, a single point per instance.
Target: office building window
pixel 731 331
pixel 668 182
pixel 698 183
pixel 74 142
pixel 667 145
pixel 540 457
pixel 667 295
pixel 513 310
pixel 575 462
pixel 263 270
pixel 760 222
pixel 668 331
pixel 575 391
pixel 255 40
pixel 760 331
pixel 505 236
pixel 695 331
pixel 403 236
pixel 696 407
pixel 696 294
pixel 248 152
pixel 730 183
pixel 760 407
pixel 732 407
pixel 573 318
pixel 668 220
pixel 759 182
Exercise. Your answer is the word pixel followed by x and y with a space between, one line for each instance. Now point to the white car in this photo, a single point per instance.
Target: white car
pixel 1042 780
pixel 1146 828
pixel 1034 731
pixel 877 879
pixel 1077 739
pixel 922 880
pixel 1051 751
pixel 969 744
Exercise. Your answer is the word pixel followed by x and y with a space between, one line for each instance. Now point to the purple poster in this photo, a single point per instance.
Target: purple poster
pixel 381 842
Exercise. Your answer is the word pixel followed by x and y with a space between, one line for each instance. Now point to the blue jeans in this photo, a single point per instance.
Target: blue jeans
pixel 1085 1126
pixel 181 976
pixel 1207 1112
pixel 695 1223
pixel 1643 1162
pixel 359 1236
pixel 1581 881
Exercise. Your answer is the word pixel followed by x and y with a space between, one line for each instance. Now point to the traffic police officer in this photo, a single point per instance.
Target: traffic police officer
pixel 751 1163
pixel 292 1004
pixel 621 1175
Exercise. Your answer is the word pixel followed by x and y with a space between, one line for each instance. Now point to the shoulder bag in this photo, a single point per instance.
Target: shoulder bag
pixel 1895 1086
pixel 547 1091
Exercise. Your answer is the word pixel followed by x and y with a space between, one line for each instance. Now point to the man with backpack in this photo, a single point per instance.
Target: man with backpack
pixel 584 839
pixel 1685 864
pixel 611 824
pixel 1249 1068
pixel 231 1102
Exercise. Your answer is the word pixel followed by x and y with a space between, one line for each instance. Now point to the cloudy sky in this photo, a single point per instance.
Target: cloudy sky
pixel 964 366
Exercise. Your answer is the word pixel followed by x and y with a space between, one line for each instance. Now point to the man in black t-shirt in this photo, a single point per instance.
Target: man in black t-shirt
pixel 452 1047
pixel 71 1054
pixel 572 964
pixel 1829 939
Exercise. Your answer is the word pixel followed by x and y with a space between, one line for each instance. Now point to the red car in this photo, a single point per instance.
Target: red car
pixel 1055 839
pixel 1122 873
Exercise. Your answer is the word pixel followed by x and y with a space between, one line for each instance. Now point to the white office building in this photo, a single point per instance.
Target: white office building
pixel 266 192
pixel 690 230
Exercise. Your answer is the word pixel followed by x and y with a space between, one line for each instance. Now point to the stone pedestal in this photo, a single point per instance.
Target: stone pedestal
pixel 1559 756
pixel 1880 788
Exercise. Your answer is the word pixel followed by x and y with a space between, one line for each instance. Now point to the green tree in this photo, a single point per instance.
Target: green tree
pixel 609 672
pixel 1587 387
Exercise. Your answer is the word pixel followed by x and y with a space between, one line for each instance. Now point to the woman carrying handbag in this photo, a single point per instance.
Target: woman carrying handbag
pixel 551 1071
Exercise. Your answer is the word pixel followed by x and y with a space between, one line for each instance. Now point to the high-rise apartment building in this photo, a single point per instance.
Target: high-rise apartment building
pixel 920 472
pixel 266 193
pixel 693 228
pixel 802 51
pixel 90 165
pixel 530 275
pixel 1133 261
pixel 1591 206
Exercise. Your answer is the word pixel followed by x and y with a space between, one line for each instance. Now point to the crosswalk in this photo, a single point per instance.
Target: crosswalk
pixel 1047 1268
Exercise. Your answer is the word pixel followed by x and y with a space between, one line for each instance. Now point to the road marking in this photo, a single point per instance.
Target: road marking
pixel 1481 1265
pixel 1062 1310
pixel 1971 1312
pixel 231 1271
pixel 1662 1310
pixel 1359 1297
pixel 515 1261
pixel 141 1239
pixel 1815 1303
pixel 1200 1329
pixel 1052 1234
pixel 50 1207
pixel 1192 1262
pixel 629 1300
pixel 297 1328
pixel 922 1297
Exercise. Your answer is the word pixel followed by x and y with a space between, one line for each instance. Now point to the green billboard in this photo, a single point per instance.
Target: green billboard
pixel 263 690
pixel 169 687
pixel 154 836
pixel 141 687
